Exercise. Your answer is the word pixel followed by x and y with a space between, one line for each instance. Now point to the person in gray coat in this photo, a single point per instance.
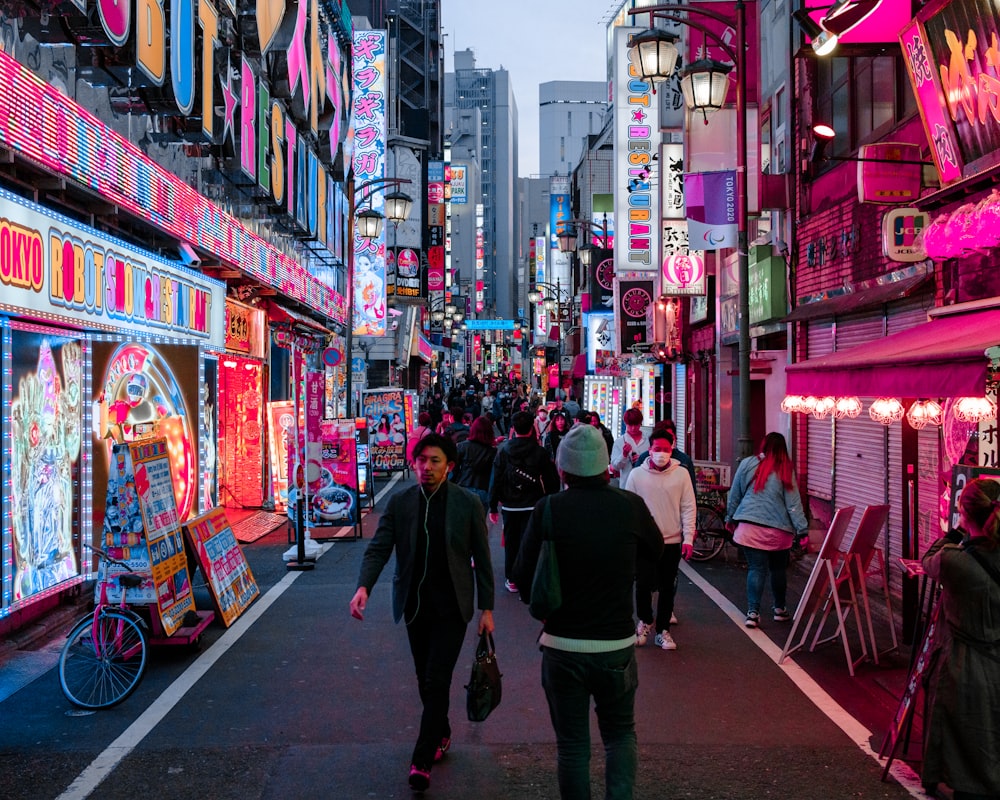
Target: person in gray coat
pixel 438 532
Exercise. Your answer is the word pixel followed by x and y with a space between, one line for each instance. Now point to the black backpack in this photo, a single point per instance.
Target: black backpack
pixel 524 484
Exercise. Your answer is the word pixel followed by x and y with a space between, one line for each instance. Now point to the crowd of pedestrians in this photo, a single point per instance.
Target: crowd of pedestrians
pixel 553 472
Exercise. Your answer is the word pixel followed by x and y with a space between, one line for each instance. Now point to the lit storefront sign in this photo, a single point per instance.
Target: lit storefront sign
pixel 636 134
pixel 56 269
pixel 950 54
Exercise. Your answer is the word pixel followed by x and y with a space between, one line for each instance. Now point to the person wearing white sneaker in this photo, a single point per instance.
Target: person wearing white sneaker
pixel 666 489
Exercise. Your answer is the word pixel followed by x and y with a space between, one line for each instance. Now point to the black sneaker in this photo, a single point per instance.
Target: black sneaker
pixel 420 779
pixel 752 620
pixel 781 615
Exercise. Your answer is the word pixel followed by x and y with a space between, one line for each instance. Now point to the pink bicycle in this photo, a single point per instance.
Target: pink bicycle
pixel 104 657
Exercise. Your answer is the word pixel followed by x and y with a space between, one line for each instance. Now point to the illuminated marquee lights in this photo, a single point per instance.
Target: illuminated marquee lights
pixel 46 126
pixel 637 195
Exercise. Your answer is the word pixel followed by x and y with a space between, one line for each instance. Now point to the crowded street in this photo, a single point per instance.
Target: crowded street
pixel 298 700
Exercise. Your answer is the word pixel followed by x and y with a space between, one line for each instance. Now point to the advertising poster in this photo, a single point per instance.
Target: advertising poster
pixel 122 532
pixel 141 390
pixel 44 438
pixel 335 502
pixel 383 410
pixel 210 435
pixel 281 434
pixel 364 455
pixel 408 276
pixel 241 427
pixel 167 558
pixel 221 560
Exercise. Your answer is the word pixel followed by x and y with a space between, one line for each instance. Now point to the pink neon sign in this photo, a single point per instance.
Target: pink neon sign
pixel 43 124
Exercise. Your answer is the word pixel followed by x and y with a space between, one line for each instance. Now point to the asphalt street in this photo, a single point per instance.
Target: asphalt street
pixel 299 700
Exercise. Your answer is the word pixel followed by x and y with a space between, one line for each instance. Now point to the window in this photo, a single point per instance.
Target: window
pixel 862 98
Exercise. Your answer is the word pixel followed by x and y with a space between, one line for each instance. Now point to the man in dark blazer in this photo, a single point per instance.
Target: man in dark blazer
pixel 438 531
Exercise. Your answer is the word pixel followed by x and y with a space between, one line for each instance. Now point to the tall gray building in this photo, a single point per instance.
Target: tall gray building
pixel 568 112
pixel 491 92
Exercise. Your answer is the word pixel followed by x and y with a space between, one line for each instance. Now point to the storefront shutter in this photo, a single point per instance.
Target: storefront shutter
pixel 819 432
pixel 680 405
pixel 860 470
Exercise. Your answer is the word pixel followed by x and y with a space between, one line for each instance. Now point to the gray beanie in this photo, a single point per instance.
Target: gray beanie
pixel 582 452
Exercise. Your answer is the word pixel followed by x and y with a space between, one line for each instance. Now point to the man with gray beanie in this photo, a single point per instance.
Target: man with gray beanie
pixel 588 643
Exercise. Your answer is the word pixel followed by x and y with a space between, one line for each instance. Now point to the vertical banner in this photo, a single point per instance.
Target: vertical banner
pixel 383 409
pixel 602 281
pixel 313 420
pixel 369 109
pixel 710 200
pixel 634 293
pixel 167 559
pixel 222 563
pixel 541 276
pixel 559 213
pixel 637 192
pixel 436 255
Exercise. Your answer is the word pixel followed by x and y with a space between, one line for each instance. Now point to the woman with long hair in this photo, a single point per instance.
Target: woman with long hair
pixel 558 428
pixel 962 723
pixel 475 459
pixel 765 512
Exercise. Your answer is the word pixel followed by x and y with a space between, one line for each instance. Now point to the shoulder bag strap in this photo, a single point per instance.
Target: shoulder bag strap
pixel 547 519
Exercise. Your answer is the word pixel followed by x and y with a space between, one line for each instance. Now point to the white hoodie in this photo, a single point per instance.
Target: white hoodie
pixel 670 498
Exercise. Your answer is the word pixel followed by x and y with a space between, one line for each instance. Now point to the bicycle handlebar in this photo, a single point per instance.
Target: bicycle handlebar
pixel 105 557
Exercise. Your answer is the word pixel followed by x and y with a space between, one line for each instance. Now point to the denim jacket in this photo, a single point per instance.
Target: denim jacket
pixel 774 507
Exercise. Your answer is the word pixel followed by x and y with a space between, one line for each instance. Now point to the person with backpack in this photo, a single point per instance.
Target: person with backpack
pixel 523 473
pixel 474 467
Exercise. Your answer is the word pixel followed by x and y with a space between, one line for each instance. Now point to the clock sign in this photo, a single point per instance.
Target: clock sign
pixel 635 301
pixel 605 273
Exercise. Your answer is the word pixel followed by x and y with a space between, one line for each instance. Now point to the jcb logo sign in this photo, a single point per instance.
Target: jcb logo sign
pixel 900 231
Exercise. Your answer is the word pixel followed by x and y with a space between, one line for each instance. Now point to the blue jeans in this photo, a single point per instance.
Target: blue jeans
pixel 570 680
pixel 759 562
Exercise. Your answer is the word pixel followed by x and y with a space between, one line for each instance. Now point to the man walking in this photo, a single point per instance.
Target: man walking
pixel 666 488
pixel 629 446
pixel 438 532
pixel 588 643
pixel 522 474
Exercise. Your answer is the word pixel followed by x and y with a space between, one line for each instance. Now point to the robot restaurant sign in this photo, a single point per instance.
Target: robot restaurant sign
pixel 53 267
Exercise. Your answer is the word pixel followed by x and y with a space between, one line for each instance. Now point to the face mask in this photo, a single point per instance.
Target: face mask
pixel 659 459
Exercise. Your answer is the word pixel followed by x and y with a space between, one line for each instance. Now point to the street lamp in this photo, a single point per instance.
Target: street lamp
pixel 701 78
pixel 368 223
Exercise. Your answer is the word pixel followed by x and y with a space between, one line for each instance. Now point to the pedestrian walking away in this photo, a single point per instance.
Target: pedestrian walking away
pixel 475 460
pixel 666 489
pixel 962 726
pixel 765 513
pixel 443 569
pixel 588 642
pixel 522 474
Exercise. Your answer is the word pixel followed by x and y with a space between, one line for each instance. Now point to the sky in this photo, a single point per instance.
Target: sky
pixel 536 41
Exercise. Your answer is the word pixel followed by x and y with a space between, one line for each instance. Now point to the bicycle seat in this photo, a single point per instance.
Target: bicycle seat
pixel 129 580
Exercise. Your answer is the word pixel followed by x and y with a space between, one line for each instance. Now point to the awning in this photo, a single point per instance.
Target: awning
pixel 852 302
pixel 285 316
pixel 942 358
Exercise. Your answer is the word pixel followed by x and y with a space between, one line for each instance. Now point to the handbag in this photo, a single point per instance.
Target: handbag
pixel 484 689
pixel 546 589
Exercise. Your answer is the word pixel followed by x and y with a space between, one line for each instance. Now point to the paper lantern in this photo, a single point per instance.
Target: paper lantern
pixel 974 409
pixel 849 407
pixel 808 404
pixel 923 413
pixel 792 402
pixel 823 407
pixel 886 410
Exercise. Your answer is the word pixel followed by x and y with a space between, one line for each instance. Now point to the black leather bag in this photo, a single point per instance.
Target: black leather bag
pixel 484 688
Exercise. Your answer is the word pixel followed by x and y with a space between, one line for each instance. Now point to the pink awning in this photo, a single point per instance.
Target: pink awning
pixel 942 358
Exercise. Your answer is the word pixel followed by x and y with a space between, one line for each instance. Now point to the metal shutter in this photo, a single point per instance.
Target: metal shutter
pixel 680 404
pixel 819 432
pixel 860 465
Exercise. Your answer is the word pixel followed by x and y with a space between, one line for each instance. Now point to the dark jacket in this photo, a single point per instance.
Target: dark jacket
pixel 530 457
pixel 599 532
pixel 475 465
pixel 465 539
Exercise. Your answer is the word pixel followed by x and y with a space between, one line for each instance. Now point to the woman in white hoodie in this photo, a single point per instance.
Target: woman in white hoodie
pixel 665 486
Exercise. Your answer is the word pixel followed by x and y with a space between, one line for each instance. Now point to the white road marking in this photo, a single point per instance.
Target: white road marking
pixel 836 713
pixel 91 777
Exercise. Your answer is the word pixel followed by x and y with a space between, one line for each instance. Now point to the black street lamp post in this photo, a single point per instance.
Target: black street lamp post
pixel 705 84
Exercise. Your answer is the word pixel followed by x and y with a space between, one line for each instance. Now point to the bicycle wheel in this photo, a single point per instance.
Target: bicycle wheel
pixel 710 534
pixel 103 673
